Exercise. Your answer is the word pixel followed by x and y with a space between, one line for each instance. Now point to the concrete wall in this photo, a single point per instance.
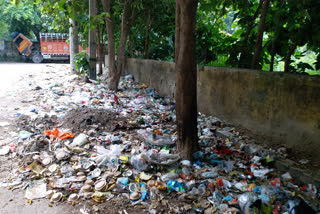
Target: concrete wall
pixel 156 74
pixel 9 53
pixel 285 107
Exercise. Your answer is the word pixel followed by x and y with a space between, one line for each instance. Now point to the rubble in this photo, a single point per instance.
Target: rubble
pixel 85 142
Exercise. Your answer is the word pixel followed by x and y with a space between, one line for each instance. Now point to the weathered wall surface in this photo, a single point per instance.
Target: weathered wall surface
pixel 8 51
pixel 156 74
pixel 285 107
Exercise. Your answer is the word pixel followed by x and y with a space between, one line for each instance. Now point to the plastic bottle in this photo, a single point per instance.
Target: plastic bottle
pixel 144 192
pixel 210 174
pixel 154 193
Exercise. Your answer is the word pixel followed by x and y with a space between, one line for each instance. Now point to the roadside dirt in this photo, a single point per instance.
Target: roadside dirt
pixel 21 91
pixel 18 92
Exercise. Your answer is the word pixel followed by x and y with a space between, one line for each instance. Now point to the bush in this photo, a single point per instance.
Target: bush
pixel 82 63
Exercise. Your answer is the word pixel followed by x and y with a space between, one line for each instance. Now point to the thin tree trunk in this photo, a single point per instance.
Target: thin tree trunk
pixel 272 59
pixel 115 70
pixel 99 50
pixel 287 60
pixel 114 81
pixel 74 44
pixel 186 78
pixel 111 43
pixel 148 28
pixel 244 48
pixel 92 43
pixel 274 39
pixel 130 45
pixel 258 47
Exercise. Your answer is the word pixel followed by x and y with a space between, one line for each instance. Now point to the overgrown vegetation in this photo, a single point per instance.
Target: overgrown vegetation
pixel 226 30
pixel 82 63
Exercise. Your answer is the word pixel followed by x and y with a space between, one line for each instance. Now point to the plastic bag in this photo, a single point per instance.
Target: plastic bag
pixel 245 201
pixel 297 206
pixel 36 189
pixel 154 139
pixel 23 135
pixel 80 140
pixel 169 176
pixel 139 163
pixel 162 158
pixel 55 133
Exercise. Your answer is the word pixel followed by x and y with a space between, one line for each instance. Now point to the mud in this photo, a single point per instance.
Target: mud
pixel 79 120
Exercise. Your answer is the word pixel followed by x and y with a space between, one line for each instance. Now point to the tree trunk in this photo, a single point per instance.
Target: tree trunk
pixel 111 44
pixel 186 78
pixel 272 60
pixel 122 44
pixel 148 28
pixel 74 44
pixel 275 37
pixel 130 45
pixel 287 60
pixel 258 47
pixel 244 48
pixel 92 43
pixel 99 50
pixel 115 71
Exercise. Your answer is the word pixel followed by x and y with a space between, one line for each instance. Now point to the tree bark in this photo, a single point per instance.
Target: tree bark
pixel 92 43
pixel 99 51
pixel 122 45
pixel 186 78
pixel 258 46
pixel 244 48
pixel 275 37
pixel 74 45
pixel 130 45
pixel 148 28
pixel 272 60
pixel 287 60
pixel 115 70
pixel 111 44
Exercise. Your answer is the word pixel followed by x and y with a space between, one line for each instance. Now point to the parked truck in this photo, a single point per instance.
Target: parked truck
pixel 53 46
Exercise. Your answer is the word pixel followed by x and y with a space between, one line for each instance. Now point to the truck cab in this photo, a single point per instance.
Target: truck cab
pixel 26 47
pixel 22 43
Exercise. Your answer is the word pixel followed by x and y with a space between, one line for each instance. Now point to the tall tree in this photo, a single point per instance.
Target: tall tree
pixel 287 59
pixel 244 48
pixel 74 44
pixel 186 77
pixel 113 68
pixel 258 47
pixel 92 42
pixel 148 28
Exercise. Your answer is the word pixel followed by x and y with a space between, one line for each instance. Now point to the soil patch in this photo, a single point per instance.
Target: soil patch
pixel 30 124
pixel 79 120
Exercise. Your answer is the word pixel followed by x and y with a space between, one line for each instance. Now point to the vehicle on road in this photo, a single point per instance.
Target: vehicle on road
pixel 53 46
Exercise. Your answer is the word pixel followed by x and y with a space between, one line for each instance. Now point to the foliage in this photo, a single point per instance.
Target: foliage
pixel 23 18
pixel 82 63
pixel 220 29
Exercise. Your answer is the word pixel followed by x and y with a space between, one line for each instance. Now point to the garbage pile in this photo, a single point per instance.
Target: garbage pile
pixel 84 142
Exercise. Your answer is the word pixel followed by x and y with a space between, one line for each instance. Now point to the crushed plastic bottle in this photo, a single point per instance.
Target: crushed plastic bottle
pixel 175 186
